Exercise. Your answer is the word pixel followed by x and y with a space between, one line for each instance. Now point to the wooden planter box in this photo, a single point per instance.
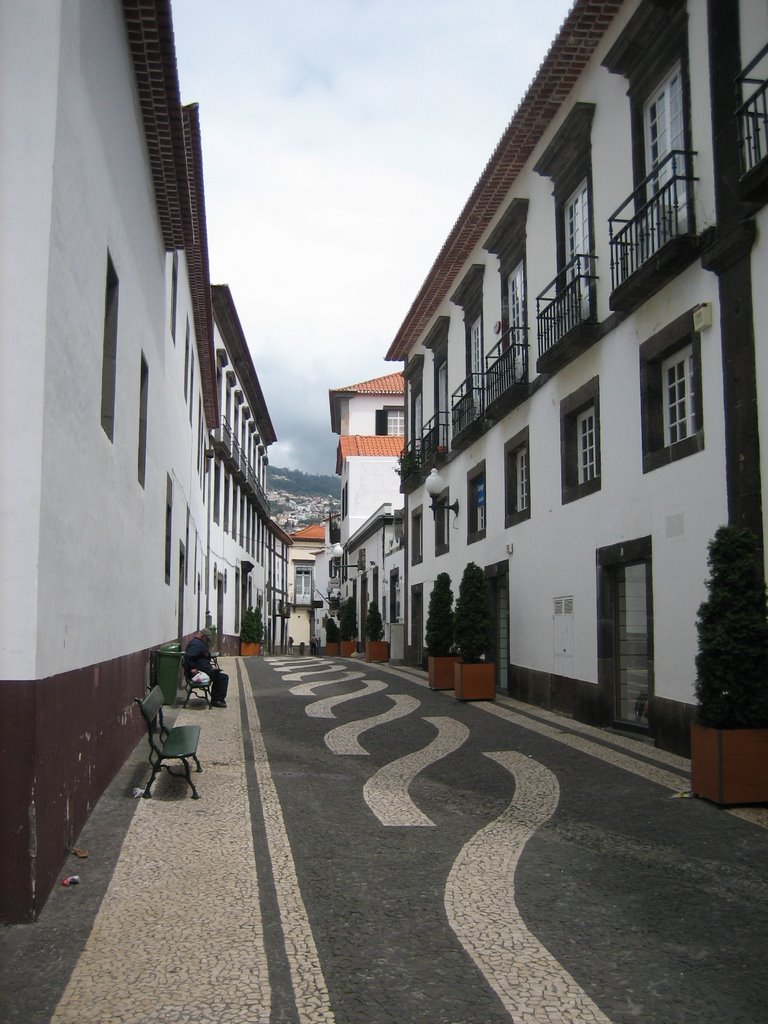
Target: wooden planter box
pixel 441 671
pixel 249 650
pixel 729 766
pixel 377 650
pixel 333 649
pixel 348 648
pixel 475 681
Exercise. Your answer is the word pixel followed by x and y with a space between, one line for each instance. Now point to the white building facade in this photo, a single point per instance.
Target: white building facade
pixel 584 359
pixel 110 396
pixel 369 418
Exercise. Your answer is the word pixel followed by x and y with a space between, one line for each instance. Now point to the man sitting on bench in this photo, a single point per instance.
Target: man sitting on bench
pixel 199 657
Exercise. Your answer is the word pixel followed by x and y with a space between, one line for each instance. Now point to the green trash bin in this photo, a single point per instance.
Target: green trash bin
pixel 168 662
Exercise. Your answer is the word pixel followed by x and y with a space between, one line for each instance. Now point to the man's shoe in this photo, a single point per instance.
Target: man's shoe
pixel 218 703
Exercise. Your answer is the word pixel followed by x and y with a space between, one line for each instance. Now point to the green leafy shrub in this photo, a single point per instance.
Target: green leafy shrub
pixel 732 659
pixel 439 634
pixel 348 620
pixel 252 627
pixel 374 627
pixel 473 615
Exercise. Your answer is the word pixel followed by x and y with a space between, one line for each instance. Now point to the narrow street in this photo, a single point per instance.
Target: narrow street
pixel 367 851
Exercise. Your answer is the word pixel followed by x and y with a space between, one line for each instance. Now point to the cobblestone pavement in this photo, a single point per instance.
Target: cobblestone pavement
pixel 367 851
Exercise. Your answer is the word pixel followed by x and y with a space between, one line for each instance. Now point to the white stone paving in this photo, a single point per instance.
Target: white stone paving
pixel 308 689
pixel 178 936
pixel 481 908
pixel 386 791
pixel 345 739
pixel 323 708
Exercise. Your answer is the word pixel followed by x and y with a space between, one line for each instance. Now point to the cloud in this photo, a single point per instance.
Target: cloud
pixel 340 141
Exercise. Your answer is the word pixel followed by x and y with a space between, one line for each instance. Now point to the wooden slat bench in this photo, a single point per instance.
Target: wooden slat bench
pixel 176 744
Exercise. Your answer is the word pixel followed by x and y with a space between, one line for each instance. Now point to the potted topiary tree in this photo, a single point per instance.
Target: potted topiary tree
pixel 473 677
pixel 729 739
pixel 251 632
pixel 348 628
pixel 439 634
pixel 332 637
pixel 376 647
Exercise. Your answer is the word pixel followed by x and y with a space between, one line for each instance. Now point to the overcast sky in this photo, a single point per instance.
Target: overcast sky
pixel 341 139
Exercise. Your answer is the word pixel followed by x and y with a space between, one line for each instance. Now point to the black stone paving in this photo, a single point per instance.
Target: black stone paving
pixel 656 906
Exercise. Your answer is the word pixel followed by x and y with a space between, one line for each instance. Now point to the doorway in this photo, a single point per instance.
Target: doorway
pixel 497 577
pixel 632 672
pixel 417 624
pixel 182 575
pixel 625 632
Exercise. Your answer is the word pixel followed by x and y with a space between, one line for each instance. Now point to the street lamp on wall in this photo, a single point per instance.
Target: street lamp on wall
pixel 434 486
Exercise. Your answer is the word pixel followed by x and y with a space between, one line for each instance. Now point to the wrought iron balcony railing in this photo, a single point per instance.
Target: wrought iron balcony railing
pixel 467 403
pixel 434 436
pixel 506 365
pixel 658 211
pixel 752 113
pixel 410 459
pixel 237 461
pixel 566 302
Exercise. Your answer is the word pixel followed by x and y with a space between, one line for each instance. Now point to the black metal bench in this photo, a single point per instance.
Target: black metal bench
pixel 176 744
pixel 201 689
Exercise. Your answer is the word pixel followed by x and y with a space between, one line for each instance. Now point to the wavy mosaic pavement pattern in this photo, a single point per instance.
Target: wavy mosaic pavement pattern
pixel 481 908
pixel 296 677
pixel 344 739
pixel 386 792
pixel 323 708
pixel 308 689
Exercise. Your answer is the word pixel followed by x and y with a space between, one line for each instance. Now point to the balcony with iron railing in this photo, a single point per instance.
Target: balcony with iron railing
pixel 410 465
pixel 467 406
pixel 752 122
pixel 236 461
pixel 434 437
pixel 566 314
pixel 506 372
pixel 652 233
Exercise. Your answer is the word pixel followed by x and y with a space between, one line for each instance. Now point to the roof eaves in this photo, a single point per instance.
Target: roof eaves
pixel 228 322
pixel 574 44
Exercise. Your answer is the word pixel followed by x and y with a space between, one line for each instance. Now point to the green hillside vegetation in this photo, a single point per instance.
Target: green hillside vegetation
pixel 302 484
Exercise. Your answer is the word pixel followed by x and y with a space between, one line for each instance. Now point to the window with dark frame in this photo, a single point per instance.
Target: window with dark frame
pixel 143 406
pixel 442 535
pixel 517 479
pixel 417 536
pixel 174 292
pixel 580 442
pixel 168 526
pixel 671 407
pixel 216 491
pixel 476 503
pixel 109 351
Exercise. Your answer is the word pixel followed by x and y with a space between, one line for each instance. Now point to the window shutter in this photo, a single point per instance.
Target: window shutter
pixel 381 422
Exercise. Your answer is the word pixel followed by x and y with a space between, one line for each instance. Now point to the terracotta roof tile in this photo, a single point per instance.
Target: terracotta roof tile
pixel 387 446
pixel 315 532
pixel 391 384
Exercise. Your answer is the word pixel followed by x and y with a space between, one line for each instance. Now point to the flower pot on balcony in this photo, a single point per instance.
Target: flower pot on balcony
pixel 348 648
pixel 333 648
pixel 729 766
pixel 441 671
pixel 248 650
pixel 377 650
pixel 474 681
